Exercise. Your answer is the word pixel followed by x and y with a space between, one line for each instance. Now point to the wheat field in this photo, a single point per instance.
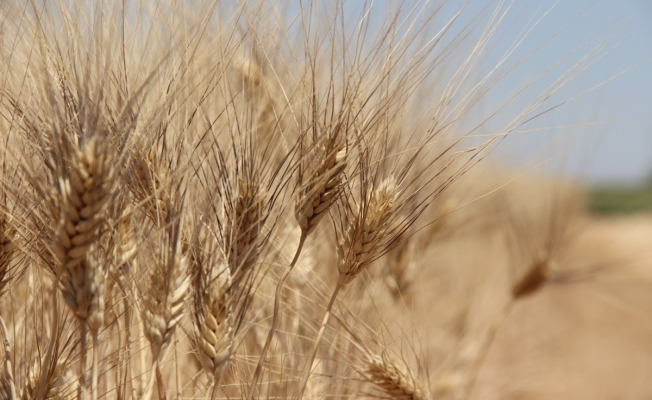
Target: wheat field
pixel 269 199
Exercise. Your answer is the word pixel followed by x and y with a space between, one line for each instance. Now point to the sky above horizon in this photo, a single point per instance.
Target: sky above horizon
pixel 617 150
pixel 603 135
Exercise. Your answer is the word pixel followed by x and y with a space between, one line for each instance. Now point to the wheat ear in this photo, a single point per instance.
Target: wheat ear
pixel 530 282
pixel 534 277
pixel 164 299
pixel 317 190
pixel 386 371
pixel 79 208
pixel 394 377
pixel 320 185
pixel 360 245
pixel 215 328
pixel 226 283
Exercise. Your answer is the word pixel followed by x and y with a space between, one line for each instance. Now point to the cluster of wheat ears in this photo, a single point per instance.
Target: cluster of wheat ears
pixel 189 189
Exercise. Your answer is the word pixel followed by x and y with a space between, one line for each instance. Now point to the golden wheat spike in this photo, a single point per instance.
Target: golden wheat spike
pixel 320 184
pixel 393 376
pixel 363 237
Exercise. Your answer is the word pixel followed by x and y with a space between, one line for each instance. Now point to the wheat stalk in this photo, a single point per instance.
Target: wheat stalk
pixel 163 300
pixel 319 181
pixel 360 245
pixel 79 207
pixel 226 263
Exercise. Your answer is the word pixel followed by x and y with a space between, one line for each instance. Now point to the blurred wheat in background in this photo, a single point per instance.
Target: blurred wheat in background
pixel 269 199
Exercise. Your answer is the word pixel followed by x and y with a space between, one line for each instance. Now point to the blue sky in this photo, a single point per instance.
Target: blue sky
pixel 618 152
pixel 606 134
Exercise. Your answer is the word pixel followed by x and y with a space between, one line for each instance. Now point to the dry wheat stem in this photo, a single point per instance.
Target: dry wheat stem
pixel 277 306
pixel 95 370
pixel 49 355
pixel 316 195
pixel 305 373
pixel 149 388
pixel 83 389
pixel 159 383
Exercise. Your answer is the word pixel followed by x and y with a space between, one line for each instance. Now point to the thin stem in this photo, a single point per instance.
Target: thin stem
pixel 52 343
pixel 305 374
pixel 211 386
pixel 159 383
pixel 96 344
pixel 8 369
pixel 83 390
pixel 127 347
pixel 216 384
pixel 277 306
pixel 176 366
pixel 149 389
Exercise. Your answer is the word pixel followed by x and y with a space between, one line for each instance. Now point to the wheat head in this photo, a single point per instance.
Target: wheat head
pixel 363 238
pixel 394 377
pixel 80 208
pixel 319 184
